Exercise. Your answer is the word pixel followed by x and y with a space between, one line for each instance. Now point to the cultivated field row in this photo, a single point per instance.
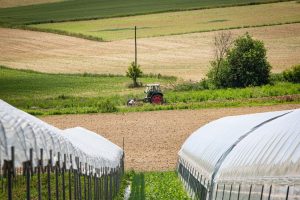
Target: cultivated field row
pixel 14 3
pixel 181 22
pixel 95 9
pixel 152 139
pixel 186 56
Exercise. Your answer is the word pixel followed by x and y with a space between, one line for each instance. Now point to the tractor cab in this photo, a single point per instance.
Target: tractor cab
pixel 153 94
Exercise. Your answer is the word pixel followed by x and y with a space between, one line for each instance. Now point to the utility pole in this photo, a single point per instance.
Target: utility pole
pixel 135 61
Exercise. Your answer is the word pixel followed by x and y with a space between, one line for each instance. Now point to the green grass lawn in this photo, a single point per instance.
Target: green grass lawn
pixel 180 22
pixel 156 185
pixel 91 9
pixel 46 94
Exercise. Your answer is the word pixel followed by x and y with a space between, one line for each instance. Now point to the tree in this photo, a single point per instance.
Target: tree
pixel 245 64
pixel 217 74
pixel 222 43
pixel 248 63
pixel 134 72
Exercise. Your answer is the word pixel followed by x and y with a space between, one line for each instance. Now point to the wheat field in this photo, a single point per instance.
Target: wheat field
pixel 186 56
pixel 182 22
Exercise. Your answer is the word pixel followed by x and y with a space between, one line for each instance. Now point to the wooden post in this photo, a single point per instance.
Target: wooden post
pixel 63 177
pixel 262 192
pixel 28 174
pixel 57 166
pixel 250 192
pixel 223 192
pixel 270 192
pixel 40 166
pixel 70 178
pixel 238 197
pixel 287 193
pixel 217 192
pixel 48 176
pixel 230 191
pixel 135 45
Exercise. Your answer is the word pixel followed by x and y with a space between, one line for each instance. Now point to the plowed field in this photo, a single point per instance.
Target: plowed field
pixel 152 139
pixel 185 56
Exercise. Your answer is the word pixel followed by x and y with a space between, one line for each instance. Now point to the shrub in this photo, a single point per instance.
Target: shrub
pixel 248 64
pixel 293 74
pixel 106 106
pixel 134 72
pixel 276 77
pixel 244 65
pixel 188 86
pixel 219 73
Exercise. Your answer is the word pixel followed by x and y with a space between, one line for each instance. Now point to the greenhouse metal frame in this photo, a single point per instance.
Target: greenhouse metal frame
pixel 50 164
pixel 246 157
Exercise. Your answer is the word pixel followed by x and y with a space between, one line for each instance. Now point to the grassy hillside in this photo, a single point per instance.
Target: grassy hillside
pixel 15 3
pixel 44 94
pixel 89 9
pixel 180 22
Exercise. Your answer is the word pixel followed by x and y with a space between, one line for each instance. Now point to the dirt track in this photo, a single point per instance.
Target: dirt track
pixel 185 56
pixel 152 139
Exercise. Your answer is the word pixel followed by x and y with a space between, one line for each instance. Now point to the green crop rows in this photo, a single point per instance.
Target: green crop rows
pixel 95 9
pixel 46 94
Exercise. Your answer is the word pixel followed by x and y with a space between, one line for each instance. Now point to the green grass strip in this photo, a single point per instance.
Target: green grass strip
pixel 95 9
pixel 156 185
pixel 53 94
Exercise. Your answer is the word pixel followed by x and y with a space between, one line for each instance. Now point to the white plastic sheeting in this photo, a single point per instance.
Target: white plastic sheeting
pixel 108 154
pixel 24 132
pixel 257 149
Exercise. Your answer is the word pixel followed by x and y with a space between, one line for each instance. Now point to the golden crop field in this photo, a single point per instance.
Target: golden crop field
pixel 186 56
pixel 14 3
pixel 182 22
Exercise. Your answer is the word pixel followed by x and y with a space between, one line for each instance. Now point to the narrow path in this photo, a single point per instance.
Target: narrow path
pixel 152 139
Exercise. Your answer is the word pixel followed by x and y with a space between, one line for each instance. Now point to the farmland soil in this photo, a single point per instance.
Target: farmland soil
pixel 152 139
pixel 186 56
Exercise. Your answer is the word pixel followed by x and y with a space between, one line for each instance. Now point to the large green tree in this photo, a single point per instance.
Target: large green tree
pixel 245 65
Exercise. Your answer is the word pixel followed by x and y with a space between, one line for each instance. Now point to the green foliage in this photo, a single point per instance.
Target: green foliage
pixel 193 86
pixel 159 76
pixel 218 74
pixel 248 64
pixel 157 185
pixel 94 9
pixel 293 74
pixel 276 77
pixel 134 72
pixel 107 106
pixel 46 94
pixel 244 65
pixel 49 94
pixel 19 187
pixel 126 179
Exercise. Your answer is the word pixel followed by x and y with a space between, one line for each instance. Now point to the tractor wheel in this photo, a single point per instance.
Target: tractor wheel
pixel 157 99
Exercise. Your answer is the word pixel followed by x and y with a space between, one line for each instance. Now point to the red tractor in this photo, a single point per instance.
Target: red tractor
pixel 153 93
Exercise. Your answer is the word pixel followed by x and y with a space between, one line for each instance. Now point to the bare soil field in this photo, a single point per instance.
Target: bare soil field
pixel 14 3
pixel 186 56
pixel 152 139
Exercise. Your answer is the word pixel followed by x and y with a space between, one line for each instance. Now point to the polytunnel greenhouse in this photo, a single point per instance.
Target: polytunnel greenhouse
pixel 29 146
pixel 248 157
